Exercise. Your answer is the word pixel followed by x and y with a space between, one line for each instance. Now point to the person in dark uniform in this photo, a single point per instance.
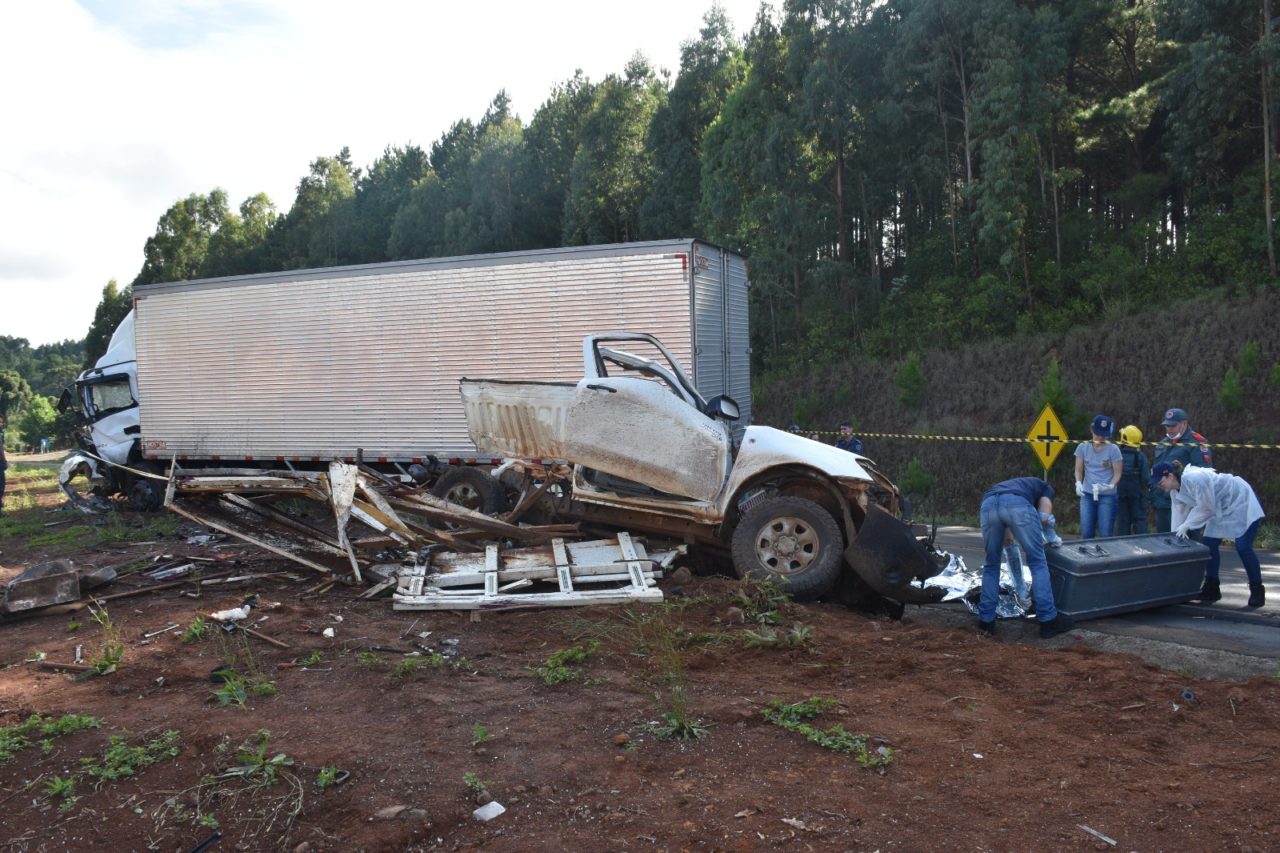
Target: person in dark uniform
pixel 1131 494
pixel 1180 444
pixel 848 441
pixel 1023 505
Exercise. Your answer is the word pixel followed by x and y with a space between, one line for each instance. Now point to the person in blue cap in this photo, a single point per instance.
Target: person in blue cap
pixel 1098 470
pixel 1180 444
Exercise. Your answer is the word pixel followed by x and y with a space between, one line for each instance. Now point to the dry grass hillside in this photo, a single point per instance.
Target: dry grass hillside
pixel 1131 368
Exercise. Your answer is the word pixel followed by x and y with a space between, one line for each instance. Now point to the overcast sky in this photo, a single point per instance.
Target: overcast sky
pixel 112 110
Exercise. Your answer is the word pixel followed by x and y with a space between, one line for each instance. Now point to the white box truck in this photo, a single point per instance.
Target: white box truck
pixel 299 368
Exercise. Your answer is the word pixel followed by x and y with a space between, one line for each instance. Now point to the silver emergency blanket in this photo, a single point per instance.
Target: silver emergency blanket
pixel 965 584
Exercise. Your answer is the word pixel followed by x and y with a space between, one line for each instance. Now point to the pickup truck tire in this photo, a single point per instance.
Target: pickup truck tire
pixel 791 541
pixel 471 488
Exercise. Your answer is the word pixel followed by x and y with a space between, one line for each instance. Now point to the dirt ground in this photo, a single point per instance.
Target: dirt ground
pixel 970 743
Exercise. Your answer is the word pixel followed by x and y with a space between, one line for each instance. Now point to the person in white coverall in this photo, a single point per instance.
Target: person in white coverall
pixel 1226 507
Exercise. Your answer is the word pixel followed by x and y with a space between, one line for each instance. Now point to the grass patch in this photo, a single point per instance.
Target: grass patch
pixel 794 717
pixel 1268 535
pixel 61 539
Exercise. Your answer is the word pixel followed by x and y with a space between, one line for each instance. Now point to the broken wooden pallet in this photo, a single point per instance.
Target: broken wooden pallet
pixel 602 571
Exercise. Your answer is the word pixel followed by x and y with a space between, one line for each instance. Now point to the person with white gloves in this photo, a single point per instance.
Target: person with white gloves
pixel 1226 507
pixel 1098 470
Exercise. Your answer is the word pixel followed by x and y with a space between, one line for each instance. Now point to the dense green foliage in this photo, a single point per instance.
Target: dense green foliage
pixel 909 174
pixel 904 175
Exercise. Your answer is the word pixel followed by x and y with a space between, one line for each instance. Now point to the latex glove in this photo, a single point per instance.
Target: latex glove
pixel 1079 489
pixel 1183 531
pixel 1046 519
pixel 1104 489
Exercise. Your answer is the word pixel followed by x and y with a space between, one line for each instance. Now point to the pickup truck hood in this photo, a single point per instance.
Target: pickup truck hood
pixel 765 447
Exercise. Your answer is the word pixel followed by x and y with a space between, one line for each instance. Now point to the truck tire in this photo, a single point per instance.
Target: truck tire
pixel 144 496
pixel 792 541
pixel 471 488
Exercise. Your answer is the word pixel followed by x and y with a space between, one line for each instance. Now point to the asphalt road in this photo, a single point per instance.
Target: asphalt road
pixel 1226 626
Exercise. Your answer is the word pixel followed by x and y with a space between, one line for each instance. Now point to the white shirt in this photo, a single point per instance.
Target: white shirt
pixel 1223 504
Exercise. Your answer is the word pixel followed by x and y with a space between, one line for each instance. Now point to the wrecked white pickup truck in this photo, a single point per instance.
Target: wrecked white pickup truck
pixel 648 452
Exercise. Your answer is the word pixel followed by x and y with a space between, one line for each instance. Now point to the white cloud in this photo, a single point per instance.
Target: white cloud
pixel 115 109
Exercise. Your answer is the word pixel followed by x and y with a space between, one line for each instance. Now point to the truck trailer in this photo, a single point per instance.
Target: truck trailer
pixel 298 368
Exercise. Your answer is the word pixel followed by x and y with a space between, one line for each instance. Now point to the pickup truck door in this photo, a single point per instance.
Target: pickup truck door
pixel 640 419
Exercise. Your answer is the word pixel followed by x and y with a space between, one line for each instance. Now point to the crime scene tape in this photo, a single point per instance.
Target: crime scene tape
pixel 1213 445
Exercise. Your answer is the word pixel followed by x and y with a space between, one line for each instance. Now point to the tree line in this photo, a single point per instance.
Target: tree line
pixel 901 174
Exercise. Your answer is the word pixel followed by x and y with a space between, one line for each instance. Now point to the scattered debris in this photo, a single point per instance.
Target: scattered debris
pixel 489 811
pixel 1097 835
pixel 616 570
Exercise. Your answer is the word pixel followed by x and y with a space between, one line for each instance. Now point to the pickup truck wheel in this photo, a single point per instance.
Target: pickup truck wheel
pixel 471 488
pixel 791 541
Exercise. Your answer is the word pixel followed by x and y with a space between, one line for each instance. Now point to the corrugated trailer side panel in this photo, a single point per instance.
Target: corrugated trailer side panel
pixel 297 367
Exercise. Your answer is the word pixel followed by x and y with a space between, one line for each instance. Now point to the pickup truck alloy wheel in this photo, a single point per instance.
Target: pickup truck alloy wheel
pixel 791 540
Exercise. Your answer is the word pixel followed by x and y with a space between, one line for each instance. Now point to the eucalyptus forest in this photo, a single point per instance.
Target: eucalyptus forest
pixel 901 174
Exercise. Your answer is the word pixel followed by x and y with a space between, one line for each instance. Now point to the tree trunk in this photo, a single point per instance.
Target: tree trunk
pixel 1268 145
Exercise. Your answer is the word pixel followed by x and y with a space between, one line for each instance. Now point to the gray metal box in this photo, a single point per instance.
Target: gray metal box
pixel 1101 577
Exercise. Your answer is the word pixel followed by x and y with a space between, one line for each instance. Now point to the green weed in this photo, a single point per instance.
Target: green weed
pixel 762 602
pixel 327 777
pixel 120 760
pixel 406 667
pixel 794 717
pixel 73 626
pixel 195 631
pixel 312 659
pixel 479 734
pixel 255 766
pixel 14 739
pixel 369 660
pixel 63 789
pixel 234 690
pixel 475 783
pixel 556 670
pixel 111 655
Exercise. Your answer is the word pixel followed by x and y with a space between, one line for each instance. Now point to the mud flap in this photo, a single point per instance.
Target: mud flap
pixel 887 556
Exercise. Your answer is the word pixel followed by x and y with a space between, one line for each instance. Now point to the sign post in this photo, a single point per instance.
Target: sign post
pixel 1047 437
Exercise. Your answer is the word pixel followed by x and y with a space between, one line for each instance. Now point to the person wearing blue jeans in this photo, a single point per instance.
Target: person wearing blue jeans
pixel 1023 506
pixel 1226 507
pixel 1098 470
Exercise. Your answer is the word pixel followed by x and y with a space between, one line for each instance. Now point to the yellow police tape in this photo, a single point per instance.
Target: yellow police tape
pixel 991 438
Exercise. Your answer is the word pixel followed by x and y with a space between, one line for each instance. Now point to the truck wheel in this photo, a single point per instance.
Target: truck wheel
pixel 471 488
pixel 791 541
pixel 144 496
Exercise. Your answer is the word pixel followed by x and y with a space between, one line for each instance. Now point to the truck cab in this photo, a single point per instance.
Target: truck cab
pixel 106 398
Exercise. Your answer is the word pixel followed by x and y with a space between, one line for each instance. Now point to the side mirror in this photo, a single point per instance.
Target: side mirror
pixel 66 400
pixel 724 408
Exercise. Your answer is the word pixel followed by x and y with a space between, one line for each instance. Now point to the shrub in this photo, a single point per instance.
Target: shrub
pixel 1250 354
pixel 910 381
pixel 916 480
pixel 1230 394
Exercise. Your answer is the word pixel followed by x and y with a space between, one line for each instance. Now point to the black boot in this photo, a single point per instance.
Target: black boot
pixel 987 628
pixel 1060 624
pixel 1257 595
pixel 1211 591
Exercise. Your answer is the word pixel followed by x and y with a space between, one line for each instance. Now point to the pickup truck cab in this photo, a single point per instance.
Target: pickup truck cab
pixel 649 452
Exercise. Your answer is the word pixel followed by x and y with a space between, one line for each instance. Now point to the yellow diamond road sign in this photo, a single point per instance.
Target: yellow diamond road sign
pixel 1047 437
